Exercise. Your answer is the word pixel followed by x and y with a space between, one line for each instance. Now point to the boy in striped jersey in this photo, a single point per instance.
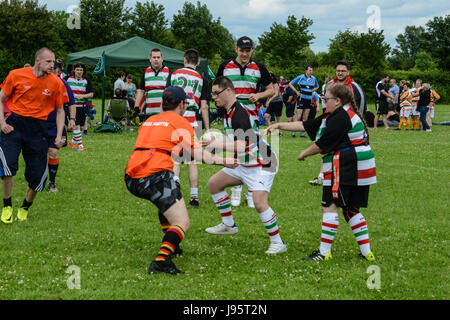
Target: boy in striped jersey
pixel 246 75
pixel 82 90
pixel 257 168
pixel 196 87
pixel 153 82
pixel 341 136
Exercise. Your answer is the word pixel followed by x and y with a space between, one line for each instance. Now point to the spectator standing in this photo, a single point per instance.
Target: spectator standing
pixel 382 95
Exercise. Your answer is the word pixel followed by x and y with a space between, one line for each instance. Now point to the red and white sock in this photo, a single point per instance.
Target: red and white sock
pixel 360 230
pixel 223 204
pixel 330 224
pixel 269 219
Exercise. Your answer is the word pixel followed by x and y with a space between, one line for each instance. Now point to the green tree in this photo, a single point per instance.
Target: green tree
pixel 437 40
pixel 148 21
pixel 194 27
pixel 366 51
pixel 285 46
pixel 102 22
pixel 424 61
pixel 25 26
pixel 409 43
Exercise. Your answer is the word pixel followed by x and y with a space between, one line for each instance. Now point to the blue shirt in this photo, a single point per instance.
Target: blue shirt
pixel 306 85
pixel 395 90
pixel 51 120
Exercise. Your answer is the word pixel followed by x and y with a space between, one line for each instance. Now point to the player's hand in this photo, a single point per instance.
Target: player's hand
pixel 6 128
pixel 207 141
pixel 271 129
pixel 230 163
pixel 59 142
pixel 71 124
pixel 253 97
pixel 302 156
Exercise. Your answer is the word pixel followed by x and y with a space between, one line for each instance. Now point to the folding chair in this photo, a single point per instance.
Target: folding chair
pixel 118 111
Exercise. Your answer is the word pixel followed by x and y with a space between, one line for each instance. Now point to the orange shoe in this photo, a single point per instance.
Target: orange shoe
pixel 80 148
pixel 73 145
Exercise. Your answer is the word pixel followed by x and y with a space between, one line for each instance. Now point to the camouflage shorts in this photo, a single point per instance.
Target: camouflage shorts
pixel 159 188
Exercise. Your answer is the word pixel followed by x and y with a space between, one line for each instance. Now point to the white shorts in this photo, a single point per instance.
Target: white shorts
pixel 255 179
pixel 415 112
pixel 405 112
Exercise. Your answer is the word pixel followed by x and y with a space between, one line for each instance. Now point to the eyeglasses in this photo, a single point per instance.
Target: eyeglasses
pixel 330 98
pixel 216 94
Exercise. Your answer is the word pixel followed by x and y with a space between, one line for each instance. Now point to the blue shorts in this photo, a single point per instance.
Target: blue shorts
pixel 30 138
pixel 290 107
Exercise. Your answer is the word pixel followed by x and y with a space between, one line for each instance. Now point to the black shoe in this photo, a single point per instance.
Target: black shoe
pixel 194 203
pixel 317 256
pixel 163 266
pixel 178 251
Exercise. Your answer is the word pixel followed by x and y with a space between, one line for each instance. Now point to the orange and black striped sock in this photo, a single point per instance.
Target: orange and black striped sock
pixel 174 235
pixel 163 221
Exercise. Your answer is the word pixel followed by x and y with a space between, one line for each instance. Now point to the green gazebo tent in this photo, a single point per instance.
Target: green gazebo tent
pixel 133 52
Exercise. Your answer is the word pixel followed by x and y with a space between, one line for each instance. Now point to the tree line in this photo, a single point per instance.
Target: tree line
pixel 25 26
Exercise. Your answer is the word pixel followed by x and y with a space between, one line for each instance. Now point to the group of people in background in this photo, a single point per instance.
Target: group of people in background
pixel 176 110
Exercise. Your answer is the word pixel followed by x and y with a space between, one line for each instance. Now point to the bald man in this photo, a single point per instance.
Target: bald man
pixel 33 93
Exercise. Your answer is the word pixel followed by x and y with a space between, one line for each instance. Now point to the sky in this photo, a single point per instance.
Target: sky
pixel 254 17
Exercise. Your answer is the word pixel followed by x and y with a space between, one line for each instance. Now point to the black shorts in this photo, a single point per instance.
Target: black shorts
pixel 29 138
pixel 356 196
pixel 159 188
pixel 304 104
pixel 80 118
pixel 382 107
pixel 275 107
pixel 290 107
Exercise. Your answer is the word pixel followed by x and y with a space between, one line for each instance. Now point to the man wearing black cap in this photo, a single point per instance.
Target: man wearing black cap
pixel 247 76
pixel 149 173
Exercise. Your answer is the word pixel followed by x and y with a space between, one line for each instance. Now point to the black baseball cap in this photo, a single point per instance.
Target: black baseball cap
pixel 176 94
pixel 244 43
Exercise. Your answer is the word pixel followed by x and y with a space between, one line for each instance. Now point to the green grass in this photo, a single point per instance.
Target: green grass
pixel 97 225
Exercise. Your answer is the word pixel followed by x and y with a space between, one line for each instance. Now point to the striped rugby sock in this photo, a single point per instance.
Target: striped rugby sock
pixel 330 224
pixel 172 238
pixel 194 194
pixel 163 221
pixel 269 219
pixel 361 231
pixel 77 137
pixel 223 203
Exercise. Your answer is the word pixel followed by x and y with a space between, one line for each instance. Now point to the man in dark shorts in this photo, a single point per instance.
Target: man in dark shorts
pixel 33 93
pixel 149 173
pixel 382 95
pixel 53 149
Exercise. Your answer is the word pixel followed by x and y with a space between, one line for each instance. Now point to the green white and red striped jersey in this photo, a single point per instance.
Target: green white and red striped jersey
pixel 195 87
pixel 79 86
pixel 343 131
pixel 246 80
pixel 154 83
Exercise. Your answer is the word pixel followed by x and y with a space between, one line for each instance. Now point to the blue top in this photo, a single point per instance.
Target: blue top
pixel 51 120
pixel 395 90
pixel 306 85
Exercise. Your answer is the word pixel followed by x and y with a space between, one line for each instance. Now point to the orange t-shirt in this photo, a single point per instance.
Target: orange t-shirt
pixel 30 96
pixel 165 133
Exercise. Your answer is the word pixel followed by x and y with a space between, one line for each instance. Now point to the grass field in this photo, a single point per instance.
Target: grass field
pixel 94 223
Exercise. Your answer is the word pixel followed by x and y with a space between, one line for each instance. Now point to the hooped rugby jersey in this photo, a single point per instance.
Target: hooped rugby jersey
pixel 80 86
pixel 246 80
pixel 343 130
pixel 153 83
pixel 238 125
pixel 195 86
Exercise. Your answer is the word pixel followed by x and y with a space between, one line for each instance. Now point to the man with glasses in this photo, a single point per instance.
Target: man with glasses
pixel 247 76
pixel 257 166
